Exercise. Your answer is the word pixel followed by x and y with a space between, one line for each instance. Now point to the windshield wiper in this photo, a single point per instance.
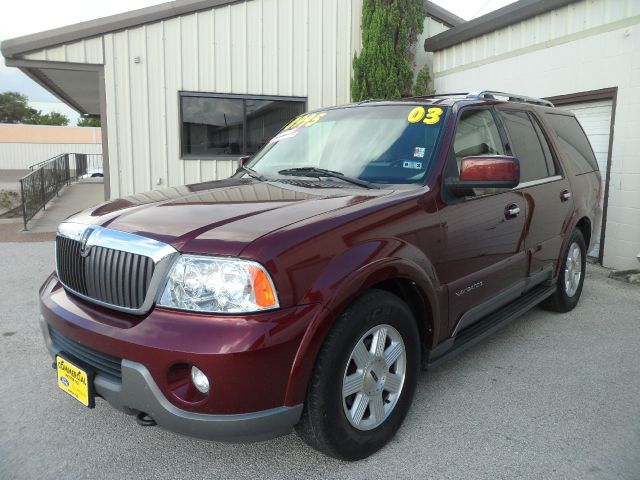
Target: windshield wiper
pixel 253 174
pixel 321 172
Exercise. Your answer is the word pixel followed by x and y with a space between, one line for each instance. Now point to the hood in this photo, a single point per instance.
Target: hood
pixel 222 217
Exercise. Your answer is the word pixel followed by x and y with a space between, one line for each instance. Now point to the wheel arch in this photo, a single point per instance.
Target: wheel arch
pixel 399 276
pixel 585 226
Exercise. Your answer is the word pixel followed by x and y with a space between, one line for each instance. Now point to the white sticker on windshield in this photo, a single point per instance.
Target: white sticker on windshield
pixel 413 165
pixel 419 152
pixel 284 135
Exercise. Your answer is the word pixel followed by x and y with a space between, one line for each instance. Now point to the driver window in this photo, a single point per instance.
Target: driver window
pixel 476 134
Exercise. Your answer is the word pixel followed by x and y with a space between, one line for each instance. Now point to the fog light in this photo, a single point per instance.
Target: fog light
pixel 200 380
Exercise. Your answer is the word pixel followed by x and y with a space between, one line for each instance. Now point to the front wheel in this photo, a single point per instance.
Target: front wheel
pixel 571 276
pixel 364 379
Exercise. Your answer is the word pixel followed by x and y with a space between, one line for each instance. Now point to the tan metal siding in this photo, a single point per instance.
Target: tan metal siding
pixel 568 23
pixel 84 51
pixel 19 156
pixel 297 48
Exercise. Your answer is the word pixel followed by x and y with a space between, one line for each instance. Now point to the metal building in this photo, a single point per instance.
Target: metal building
pixel 185 87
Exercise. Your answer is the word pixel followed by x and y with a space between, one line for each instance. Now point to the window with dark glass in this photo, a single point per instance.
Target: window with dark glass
pixel 526 145
pixel 219 125
pixel 573 142
pixel 545 146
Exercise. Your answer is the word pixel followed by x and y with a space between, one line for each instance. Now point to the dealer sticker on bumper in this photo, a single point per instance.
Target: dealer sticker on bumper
pixel 74 381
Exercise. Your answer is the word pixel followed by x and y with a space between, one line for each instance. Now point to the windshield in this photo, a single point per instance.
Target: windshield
pixel 391 144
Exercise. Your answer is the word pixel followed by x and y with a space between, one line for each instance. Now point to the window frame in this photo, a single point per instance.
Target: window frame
pixel 528 115
pixel 449 198
pixel 190 94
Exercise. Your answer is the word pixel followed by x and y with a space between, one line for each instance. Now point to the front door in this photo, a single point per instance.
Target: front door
pixel 484 263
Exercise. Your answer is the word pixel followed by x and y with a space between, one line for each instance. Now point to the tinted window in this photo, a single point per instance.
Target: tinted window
pixel 525 145
pixel 545 147
pixel 215 126
pixel 573 143
pixel 476 134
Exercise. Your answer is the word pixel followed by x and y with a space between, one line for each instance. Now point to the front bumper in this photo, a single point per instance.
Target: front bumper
pixel 249 359
pixel 138 392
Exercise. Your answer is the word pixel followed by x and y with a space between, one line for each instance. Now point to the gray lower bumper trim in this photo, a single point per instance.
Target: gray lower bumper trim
pixel 139 392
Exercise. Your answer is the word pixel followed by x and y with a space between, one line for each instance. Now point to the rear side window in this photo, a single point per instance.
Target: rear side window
pixel 526 146
pixel 573 143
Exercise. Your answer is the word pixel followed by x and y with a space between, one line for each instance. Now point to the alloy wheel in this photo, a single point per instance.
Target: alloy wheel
pixel 573 270
pixel 374 377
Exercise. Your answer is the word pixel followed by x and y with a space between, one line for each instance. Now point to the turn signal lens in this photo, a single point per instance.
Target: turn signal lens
pixel 265 297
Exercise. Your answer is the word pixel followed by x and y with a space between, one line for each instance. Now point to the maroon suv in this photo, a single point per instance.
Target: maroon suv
pixel 361 243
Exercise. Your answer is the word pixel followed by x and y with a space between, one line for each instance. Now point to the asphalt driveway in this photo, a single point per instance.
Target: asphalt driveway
pixel 549 397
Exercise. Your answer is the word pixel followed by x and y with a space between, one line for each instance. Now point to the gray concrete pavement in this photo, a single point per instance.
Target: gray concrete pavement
pixel 549 397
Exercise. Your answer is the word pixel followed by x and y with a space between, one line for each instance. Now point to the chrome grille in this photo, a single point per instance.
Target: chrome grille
pixel 107 275
pixel 116 269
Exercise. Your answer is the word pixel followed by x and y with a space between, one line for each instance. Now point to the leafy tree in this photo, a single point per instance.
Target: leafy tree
pixel 390 29
pixel 53 118
pixel 89 122
pixel 423 85
pixel 15 109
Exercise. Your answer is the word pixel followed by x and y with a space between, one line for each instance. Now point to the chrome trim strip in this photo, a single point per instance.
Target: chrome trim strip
pixel 161 253
pixel 539 182
pixel 116 240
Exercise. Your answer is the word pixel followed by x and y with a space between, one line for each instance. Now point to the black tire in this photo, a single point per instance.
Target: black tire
pixel 324 424
pixel 561 301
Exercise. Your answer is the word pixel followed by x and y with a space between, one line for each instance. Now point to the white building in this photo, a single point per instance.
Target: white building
pixel 582 55
pixel 186 87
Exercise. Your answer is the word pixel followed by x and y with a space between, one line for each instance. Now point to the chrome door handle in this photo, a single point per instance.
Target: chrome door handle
pixel 512 211
pixel 565 195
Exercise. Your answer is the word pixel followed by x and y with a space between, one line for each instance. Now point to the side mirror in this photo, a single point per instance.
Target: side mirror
pixel 497 171
pixel 242 161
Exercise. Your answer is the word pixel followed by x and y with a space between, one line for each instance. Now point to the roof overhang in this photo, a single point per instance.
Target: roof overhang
pixel 443 15
pixel 503 17
pixel 76 84
pixel 16 47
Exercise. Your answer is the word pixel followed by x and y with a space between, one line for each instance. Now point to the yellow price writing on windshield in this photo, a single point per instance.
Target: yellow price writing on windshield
pixel 429 116
pixel 305 120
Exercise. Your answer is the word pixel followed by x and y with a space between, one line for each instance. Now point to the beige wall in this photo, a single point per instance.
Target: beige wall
pixel 12 133
pixel 24 145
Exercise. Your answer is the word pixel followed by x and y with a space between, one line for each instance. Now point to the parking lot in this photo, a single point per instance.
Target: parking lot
pixel 549 397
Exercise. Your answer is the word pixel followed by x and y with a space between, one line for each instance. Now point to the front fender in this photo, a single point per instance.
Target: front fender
pixel 344 279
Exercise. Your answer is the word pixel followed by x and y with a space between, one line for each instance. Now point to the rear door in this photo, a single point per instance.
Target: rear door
pixel 546 191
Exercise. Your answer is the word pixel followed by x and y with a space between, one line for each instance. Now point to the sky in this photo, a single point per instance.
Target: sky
pixel 30 16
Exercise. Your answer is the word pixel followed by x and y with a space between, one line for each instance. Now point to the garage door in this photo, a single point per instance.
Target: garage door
pixel 595 118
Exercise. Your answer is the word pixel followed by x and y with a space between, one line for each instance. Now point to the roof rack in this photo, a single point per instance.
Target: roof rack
pixel 512 97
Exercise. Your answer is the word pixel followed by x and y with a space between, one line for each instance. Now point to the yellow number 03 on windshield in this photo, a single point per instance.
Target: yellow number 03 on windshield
pixel 430 116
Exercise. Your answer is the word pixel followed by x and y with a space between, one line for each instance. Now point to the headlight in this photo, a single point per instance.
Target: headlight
pixel 221 285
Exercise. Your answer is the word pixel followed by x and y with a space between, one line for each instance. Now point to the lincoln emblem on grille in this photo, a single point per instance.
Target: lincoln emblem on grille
pixel 85 249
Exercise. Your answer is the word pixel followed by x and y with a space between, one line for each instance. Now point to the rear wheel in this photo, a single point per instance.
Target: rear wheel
pixel 571 276
pixel 364 379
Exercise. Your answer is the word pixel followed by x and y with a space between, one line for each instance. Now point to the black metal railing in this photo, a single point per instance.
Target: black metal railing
pixel 47 178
